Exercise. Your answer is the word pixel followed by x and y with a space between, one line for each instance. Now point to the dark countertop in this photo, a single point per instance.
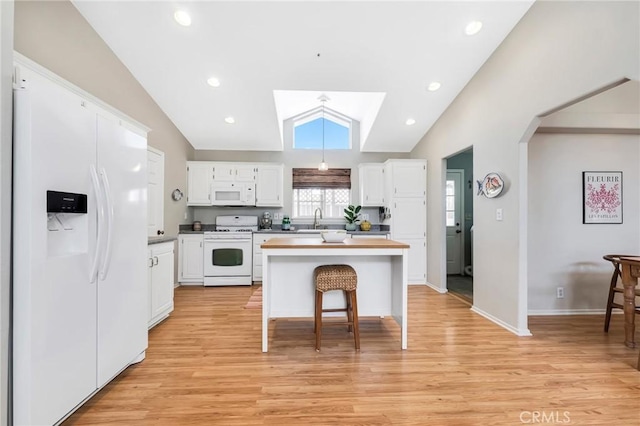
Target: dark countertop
pixel 161 239
pixel 280 231
pixel 375 229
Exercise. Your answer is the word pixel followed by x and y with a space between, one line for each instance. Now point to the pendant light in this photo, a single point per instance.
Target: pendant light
pixel 323 165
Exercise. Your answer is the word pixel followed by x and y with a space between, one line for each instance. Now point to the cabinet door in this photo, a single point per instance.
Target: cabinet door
pixel 417 273
pixel 199 177
pixel 162 280
pixel 245 173
pixel 190 262
pixel 408 218
pixel 224 172
pixel 408 179
pixel 269 185
pixel 371 185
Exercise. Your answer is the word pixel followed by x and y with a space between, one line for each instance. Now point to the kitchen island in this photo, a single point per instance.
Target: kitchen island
pixel 288 290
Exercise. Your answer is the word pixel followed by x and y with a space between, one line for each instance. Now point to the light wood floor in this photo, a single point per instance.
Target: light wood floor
pixel 204 367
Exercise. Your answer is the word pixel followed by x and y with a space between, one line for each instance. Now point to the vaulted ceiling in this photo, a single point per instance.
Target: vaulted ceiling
pixel 259 49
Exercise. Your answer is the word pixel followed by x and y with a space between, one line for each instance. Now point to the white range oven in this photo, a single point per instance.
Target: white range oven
pixel 228 251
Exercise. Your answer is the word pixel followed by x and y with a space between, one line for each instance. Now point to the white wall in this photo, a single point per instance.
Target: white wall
pixel 563 252
pixel 6 70
pixel 559 51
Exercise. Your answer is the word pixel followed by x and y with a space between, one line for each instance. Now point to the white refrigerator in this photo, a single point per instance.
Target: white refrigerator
pixel 79 279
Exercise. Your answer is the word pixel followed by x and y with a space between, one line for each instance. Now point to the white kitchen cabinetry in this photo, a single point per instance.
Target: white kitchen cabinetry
pixel 160 277
pixel 406 178
pixel 199 178
pixel 405 183
pixel 191 258
pixel 269 189
pixel 233 172
pixel 372 185
pixel 409 218
pixel 417 273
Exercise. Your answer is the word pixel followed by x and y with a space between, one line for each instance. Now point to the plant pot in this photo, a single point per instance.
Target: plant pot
pixel 350 226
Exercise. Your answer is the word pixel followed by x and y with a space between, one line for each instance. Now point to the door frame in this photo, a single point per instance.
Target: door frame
pixel 462 214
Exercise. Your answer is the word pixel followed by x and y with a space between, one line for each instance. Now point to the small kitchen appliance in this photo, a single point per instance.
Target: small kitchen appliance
pixel 266 221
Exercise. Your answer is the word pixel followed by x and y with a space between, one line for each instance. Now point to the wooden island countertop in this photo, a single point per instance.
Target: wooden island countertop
pixel 315 243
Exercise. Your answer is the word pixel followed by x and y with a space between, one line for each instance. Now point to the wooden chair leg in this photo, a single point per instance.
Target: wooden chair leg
pixel 614 281
pixel 318 319
pixel 349 310
pixel 356 326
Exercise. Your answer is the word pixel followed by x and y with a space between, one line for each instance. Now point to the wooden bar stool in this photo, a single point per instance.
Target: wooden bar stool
pixel 337 277
pixel 614 288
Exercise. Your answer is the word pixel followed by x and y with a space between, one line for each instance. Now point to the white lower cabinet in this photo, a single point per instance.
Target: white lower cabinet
pixel 417 273
pixel 191 259
pixel 160 277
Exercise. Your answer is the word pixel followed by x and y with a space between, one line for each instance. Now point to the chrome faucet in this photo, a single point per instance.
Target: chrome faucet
pixel 315 219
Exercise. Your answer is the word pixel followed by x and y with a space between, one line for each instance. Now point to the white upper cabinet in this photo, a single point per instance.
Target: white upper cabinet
pixel 269 185
pixel 406 178
pixel 371 176
pixel 199 178
pixel 233 172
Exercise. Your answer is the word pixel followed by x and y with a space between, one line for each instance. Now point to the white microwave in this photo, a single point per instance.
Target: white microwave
pixel 233 194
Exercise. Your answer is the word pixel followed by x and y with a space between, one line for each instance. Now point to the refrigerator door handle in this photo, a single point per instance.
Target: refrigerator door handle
pixel 106 260
pixel 100 212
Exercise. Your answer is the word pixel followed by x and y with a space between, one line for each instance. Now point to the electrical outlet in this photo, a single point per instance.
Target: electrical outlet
pixel 365 217
pixel 560 293
pixel 185 216
pixel 498 214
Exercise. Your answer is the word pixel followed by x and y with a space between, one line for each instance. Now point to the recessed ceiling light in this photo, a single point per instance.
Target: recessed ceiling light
pixel 410 122
pixel 182 18
pixel 229 120
pixel 433 86
pixel 213 82
pixel 473 27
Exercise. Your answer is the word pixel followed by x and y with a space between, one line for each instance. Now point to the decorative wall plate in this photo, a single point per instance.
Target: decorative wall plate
pixel 177 195
pixel 491 186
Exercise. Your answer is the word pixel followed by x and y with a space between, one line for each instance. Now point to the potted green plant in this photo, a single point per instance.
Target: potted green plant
pixel 352 215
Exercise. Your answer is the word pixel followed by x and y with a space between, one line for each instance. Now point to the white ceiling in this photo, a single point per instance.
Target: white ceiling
pixel 256 48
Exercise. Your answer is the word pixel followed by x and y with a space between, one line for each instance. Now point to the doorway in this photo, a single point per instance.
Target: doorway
pixel 459 225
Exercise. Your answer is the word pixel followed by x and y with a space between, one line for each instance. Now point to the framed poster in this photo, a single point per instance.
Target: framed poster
pixel 601 197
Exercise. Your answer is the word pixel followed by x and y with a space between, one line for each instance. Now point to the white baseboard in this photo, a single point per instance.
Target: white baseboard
pixel 436 288
pixel 540 312
pixel 501 323
pixel 188 284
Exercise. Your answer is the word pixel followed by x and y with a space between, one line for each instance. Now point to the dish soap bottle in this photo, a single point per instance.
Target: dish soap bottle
pixel 286 223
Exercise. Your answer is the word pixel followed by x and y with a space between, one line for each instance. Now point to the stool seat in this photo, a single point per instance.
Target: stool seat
pixel 337 277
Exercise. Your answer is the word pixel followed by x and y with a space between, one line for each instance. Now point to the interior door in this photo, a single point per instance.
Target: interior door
pixel 155 192
pixel 454 220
